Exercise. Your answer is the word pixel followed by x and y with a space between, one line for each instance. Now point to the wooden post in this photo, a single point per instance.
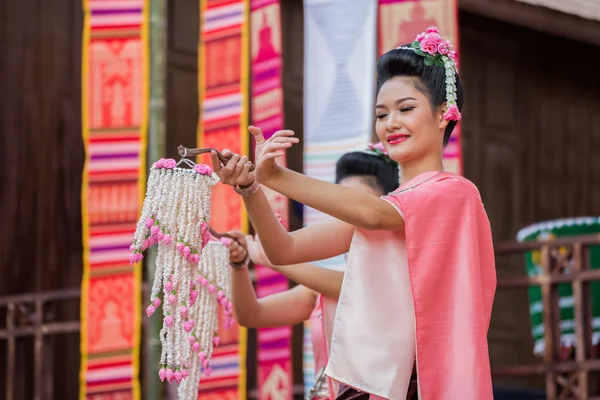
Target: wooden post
pixel 579 302
pixel 548 315
pixel 10 360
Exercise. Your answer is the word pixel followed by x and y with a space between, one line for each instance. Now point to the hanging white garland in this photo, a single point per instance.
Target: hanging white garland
pixel 191 270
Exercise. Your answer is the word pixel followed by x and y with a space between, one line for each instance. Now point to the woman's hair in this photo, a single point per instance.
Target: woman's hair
pixel 431 80
pixel 357 163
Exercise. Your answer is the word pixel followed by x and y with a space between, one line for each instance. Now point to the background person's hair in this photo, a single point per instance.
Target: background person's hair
pixel 431 81
pixel 382 173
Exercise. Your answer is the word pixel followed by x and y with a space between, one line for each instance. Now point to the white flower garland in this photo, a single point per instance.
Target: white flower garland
pixel 191 271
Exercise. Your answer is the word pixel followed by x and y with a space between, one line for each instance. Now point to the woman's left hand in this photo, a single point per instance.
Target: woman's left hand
pixel 267 150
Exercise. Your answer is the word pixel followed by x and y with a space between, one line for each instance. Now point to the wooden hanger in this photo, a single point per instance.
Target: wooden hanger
pixel 185 152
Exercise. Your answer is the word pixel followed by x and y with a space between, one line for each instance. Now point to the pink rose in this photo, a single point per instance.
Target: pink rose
pixel 430 43
pixel 133 258
pixel 188 325
pixel 156 302
pixel 170 163
pixel 166 239
pixel 168 286
pixel 192 340
pixel 203 169
pixel 154 230
pixel 453 114
pixel 162 374
pixel 452 55
pixel 150 310
pixel 170 375
pixel 196 347
pixel 444 47
pixel 149 222
pixel 186 251
pixel 433 29
pixel 420 37
pixel 169 321
pixel 172 299
pixel 178 376
pixel 185 373
pixel 160 163
pixel 216 341
pixel 179 246
pixel 183 311
pixel 193 295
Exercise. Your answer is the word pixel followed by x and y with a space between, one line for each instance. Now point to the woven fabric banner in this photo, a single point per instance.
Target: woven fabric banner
pixel 223 77
pixel 274 356
pixel 400 21
pixel 339 77
pixel 114 121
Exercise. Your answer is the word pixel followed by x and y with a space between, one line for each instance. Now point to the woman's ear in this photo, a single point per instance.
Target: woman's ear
pixel 443 122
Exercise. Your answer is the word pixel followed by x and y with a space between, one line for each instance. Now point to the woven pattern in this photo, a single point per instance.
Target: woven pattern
pixel 222 82
pixel 114 109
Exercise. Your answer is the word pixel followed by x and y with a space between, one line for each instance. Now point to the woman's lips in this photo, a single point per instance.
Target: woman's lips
pixel 395 139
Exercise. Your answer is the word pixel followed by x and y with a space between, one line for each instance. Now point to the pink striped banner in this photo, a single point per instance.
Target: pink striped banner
pixel 274 344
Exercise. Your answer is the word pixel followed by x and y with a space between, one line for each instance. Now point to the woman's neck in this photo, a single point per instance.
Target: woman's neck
pixel 411 170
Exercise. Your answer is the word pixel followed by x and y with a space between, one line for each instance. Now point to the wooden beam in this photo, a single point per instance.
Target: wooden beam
pixel 538 18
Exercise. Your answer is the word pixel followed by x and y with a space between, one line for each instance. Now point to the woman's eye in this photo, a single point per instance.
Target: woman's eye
pixel 405 109
pixel 379 116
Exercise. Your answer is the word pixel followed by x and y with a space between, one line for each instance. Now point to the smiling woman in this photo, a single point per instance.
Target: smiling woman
pixel 426 241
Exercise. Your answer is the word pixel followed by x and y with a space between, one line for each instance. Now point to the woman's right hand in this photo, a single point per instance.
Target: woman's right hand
pixel 238 248
pixel 236 172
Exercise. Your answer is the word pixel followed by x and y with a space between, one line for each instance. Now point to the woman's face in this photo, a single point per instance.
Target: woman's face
pixel 405 123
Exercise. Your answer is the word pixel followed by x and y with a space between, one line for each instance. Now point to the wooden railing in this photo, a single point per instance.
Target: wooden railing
pixel 564 379
pixel 25 319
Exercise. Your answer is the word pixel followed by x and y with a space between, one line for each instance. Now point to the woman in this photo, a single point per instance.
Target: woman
pixel 420 278
pixel 371 171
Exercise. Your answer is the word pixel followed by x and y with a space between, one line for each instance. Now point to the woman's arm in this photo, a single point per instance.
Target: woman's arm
pixel 322 280
pixel 287 308
pixel 316 242
pixel 349 205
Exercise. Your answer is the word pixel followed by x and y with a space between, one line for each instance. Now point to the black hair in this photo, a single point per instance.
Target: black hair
pixel 431 80
pixel 384 172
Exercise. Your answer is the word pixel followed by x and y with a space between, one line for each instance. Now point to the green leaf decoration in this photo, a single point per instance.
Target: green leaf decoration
pixel 415 44
pixel 439 63
pixel 421 53
pixel 429 62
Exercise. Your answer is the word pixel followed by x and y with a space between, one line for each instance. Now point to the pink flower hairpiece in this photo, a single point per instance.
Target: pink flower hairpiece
pixel 377 149
pixel 440 53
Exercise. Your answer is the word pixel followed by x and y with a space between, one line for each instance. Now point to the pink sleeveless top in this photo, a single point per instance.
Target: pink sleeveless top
pixel 321 327
pixel 426 291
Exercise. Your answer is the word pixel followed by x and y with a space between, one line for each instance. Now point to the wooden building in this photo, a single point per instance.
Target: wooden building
pixel 531 139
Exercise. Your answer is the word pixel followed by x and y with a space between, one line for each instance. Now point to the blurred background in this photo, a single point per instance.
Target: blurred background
pixel 93 92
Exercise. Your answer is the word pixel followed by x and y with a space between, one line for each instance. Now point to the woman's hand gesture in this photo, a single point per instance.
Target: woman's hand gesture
pixel 267 150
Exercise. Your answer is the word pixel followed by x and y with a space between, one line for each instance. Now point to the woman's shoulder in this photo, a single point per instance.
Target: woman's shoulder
pixel 458 183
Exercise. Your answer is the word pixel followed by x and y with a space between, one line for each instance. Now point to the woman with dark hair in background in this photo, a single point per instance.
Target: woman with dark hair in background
pixel 315 298
pixel 420 278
